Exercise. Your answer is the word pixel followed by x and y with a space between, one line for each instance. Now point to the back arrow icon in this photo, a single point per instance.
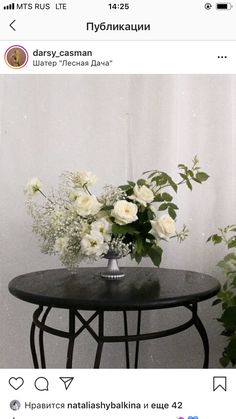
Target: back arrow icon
pixel 12 24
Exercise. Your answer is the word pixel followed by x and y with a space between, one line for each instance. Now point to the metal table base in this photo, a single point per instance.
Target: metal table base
pixel 41 314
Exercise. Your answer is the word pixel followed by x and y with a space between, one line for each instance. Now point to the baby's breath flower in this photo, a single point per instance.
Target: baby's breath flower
pixel 183 234
pixel 111 195
pixel 118 246
pixel 86 178
pixel 61 244
pixel 33 186
pixel 79 180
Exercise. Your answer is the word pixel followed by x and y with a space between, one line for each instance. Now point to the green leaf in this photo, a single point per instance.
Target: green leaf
pixel 232 242
pixel 158 198
pixel 225 333
pixel 229 317
pixel 141 182
pixel 129 192
pixel 163 207
pixel 173 185
pixel 228 264
pixel 225 286
pixel 132 184
pixel 189 185
pixel 182 166
pixel 224 306
pixel 151 172
pixel 160 180
pixel 230 257
pixel 171 182
pixel 173 206
pixel 195 161
pixel 209 239
pixel 155 254
pixel 124 187
pixel 142 228
pixel 172 213
pixel 196 180
pixel 107 208
pixel 167 197
pixel 137 258
pixel 202 176
pixel 234 282
pixel 231 351
pixel 224 361
pixel 142 216
pixel 139 246
pixel 124 229
pixel 151 214
pixel 216 238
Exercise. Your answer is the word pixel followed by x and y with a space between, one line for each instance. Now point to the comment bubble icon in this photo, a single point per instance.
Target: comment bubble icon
pixel 41 384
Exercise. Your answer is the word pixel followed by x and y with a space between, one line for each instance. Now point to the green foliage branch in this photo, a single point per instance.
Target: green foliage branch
pixel 227 295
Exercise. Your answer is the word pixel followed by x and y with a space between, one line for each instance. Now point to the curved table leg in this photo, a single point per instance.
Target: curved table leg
pixel 38 311
pixel 137 342
pixel 100 339
pixel 70 349
pixel 126 342
pixel 202 332
pixel 41 340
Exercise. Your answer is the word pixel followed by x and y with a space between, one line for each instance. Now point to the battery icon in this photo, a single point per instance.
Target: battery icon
pixel 224 6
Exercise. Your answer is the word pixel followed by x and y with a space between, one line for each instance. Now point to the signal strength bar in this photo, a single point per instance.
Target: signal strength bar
pixel 10 6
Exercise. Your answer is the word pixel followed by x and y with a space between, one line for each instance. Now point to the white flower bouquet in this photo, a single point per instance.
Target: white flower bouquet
pixel 76 225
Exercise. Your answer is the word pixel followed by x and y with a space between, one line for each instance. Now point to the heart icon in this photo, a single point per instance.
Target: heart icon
pixel 16 383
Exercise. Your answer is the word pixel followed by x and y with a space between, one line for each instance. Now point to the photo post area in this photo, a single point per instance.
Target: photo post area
pixel 118 127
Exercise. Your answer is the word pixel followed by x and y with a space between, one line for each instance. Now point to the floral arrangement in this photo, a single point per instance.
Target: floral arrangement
pixel 227 295
pixel 76 225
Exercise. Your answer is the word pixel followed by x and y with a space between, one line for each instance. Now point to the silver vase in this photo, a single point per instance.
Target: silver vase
pixel 113 271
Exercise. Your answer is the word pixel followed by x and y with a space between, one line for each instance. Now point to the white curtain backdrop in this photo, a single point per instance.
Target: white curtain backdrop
pixel 116 126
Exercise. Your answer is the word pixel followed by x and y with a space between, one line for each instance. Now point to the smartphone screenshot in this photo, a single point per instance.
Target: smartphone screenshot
pixel 117 214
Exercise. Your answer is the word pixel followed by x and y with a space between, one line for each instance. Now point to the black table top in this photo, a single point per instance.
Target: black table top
pixel 141 288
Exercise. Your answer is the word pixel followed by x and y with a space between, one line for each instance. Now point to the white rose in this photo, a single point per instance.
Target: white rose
pixel 124 212
pixel 163 227
pixel 33 186
pixel 61 244
pixel 102 226
pixel 143 195
pixel 87 205
pixel 93 245
pixel 87 178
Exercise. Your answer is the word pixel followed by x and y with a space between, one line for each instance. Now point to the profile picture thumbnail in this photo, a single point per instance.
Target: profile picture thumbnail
pixel 16 56
pixel 15 405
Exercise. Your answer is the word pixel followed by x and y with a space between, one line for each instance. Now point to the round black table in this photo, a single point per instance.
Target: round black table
pixel 140 289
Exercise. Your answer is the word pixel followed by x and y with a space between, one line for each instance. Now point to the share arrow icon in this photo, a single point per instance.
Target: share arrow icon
pixel 67 381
